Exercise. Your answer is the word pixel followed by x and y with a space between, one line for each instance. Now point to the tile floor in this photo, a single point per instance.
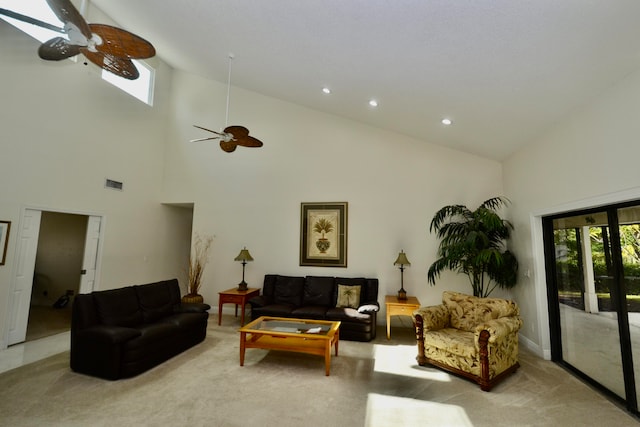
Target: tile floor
pixel 32 351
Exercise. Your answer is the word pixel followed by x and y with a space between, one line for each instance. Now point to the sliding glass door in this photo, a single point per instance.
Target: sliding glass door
pixel 593 280
pixel 629 229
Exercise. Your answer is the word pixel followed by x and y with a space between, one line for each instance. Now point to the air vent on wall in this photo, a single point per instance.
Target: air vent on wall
pixel 114 185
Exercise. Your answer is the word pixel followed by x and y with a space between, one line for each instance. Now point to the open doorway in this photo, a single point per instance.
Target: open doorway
pixel 57 273
pixel 22 286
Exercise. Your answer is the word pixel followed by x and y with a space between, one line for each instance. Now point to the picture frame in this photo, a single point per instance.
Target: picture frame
pixel 5 229
pixel 323 234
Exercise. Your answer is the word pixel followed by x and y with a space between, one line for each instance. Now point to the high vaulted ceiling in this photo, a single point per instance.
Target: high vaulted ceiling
pixel 504 71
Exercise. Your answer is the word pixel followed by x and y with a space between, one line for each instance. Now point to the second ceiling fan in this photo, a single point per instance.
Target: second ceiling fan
pixel 231 136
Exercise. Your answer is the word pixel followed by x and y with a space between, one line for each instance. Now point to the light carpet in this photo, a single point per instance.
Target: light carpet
pixel 371 384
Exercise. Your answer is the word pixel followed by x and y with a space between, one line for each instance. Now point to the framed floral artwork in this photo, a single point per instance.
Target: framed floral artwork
pixel 323 234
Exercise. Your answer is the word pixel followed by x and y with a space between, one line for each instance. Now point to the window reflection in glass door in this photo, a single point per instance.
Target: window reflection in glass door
pixel 629 230
pixel 589 337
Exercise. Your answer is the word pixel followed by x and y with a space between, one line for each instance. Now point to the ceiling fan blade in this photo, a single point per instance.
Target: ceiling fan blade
pixel 237 130
pixel 228 146
pixel 204 139
pixel 121 43
pixel 208 130
pixel 57 49
pixel 68 14
pixel 122 67
pixel 241 135
pixel 30 20
pixel 248 141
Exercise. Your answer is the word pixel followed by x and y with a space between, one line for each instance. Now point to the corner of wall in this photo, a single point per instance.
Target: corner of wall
pixel 533 347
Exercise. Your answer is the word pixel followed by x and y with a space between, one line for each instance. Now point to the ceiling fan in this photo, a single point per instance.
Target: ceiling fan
pixel 231 136
pixel 110 48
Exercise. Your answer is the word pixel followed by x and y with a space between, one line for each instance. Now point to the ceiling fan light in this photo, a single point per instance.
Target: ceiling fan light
pixel 446 122
pixel 326 90
pixel 373 103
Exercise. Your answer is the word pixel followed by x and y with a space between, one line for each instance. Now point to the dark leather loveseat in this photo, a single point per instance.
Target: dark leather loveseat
pixel 122 332
pixel 317 297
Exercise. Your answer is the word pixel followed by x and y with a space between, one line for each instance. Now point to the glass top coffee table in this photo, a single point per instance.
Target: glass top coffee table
pixel 296 335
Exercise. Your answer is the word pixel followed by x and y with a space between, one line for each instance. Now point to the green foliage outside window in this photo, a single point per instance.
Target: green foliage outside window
pixel 568 267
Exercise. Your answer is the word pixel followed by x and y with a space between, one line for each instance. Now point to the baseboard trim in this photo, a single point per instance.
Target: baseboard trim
pixel 533 347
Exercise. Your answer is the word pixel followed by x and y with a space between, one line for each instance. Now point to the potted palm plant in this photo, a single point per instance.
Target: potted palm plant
pixel 197 261
pixel 474 243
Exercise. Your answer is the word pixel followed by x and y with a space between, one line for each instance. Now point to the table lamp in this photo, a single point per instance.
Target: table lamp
pixel 245 257
pixel 402 261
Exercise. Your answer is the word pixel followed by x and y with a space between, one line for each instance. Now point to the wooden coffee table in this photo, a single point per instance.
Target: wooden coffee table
pixel 296 335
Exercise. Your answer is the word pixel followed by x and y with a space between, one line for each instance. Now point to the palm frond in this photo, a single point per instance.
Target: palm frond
pixel 445 213
pixel 495 203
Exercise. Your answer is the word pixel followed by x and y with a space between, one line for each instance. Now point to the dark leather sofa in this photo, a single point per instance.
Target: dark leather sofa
pixel 120 333
pixel 315 297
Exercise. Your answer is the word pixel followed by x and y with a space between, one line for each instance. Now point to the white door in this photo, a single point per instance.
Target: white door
pixel 90 260
pixel 20 298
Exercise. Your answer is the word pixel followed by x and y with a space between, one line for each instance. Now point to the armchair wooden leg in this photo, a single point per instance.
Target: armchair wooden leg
pixel 422 360
pixel 483 341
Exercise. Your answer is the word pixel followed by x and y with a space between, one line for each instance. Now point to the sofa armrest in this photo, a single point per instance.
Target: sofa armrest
pixel 191 307
pixel 433 317
pixel 107 334
pixel 499 328
pixel 368 307
pixel 260 301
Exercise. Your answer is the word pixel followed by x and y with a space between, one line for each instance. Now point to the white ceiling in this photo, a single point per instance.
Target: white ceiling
pixel 503 70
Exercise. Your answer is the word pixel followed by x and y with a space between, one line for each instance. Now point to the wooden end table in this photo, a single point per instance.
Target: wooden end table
pixel 396 307
pixel 239 298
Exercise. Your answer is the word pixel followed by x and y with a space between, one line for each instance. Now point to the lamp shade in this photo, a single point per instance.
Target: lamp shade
pixel 244 256
pixel 402 259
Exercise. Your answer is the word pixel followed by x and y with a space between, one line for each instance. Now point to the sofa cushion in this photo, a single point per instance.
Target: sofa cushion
pixel 155 300
pixel 152 342
pixel 467 311
pixel 118 307
pixel 318 291
pixel 348 296
pixel 269 285
pixel 450 340
pixel 289 290
pixel 275 310
pixel 310 312
pixel 350 315
pixel 348 281
pixel 185 321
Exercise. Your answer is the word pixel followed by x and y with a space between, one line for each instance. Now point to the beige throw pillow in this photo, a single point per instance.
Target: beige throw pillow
pixel 348 296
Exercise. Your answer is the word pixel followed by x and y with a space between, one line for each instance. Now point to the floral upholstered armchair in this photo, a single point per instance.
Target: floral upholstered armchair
pixel 476 338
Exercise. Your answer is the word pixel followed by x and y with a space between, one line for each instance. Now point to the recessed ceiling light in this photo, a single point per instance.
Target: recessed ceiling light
pixel 326 90
pixel 446 122
pixel 373 103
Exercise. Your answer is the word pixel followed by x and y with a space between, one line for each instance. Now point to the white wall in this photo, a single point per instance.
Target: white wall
pixel 589 159
pixel 252 197
pixel 62 132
